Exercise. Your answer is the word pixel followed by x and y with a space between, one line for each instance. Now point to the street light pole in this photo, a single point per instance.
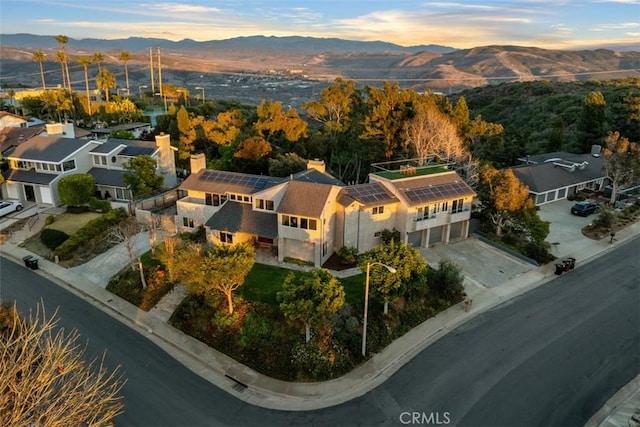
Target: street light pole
pixel 140 90
pixel 202 89
pixel 366 302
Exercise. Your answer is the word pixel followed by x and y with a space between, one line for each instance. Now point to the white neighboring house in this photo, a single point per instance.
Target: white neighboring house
pixel 38 164
pixel 310 215
pixel 10 120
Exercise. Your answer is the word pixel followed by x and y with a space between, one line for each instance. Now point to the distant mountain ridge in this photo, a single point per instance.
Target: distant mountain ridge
pixel 263 43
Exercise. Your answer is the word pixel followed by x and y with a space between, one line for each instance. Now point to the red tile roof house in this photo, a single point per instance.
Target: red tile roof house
pixel 310 214
pixel 37 165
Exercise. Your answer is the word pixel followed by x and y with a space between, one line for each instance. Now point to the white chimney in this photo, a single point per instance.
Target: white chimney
pixel 316 164
pixel 198 162
pixel 166 160
pixel 54 129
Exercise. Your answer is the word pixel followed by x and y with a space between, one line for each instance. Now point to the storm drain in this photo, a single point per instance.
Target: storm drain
pixel 237 385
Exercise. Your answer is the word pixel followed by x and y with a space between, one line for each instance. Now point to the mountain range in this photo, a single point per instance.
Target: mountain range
pixel 426 66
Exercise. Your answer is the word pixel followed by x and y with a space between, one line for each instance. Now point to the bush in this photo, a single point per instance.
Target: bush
pixel 348 255
pixel 77 209
pixel 76 189
pixel 540 251
pixel 158 285
pixel 606 216
pixel 98 205
pixel 52 238
pixel 127 285
pixel 447 281
pixel 388 235
pixel 49 220
pixel 91 230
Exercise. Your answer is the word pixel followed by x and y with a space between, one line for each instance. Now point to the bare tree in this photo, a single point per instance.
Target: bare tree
pixel 153 227
pixel 621 162
pixel 45 380
pixel 125 233
pixel 171 245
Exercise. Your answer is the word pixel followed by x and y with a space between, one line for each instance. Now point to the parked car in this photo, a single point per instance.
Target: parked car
pixel 8 206
pixel 584 208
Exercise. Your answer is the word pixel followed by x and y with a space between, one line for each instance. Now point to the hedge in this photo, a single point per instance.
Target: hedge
pixel 91 230
pixel 52 238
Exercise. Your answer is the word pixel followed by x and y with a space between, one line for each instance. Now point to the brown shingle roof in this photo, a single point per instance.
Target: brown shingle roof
pixel 12 137
pixel 304 199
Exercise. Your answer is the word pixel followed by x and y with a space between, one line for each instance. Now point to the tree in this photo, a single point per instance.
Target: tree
pixel 273 122
pixel 105 81
pixel 252 153
pixel 620 162
pixel 142 176
pixel 447 281
pixel 310 298
pixel 501 195
pixel 125 233
pixel 57 103
pixel 98 58
pixel 44 378
pixel 407 261
pixel 64 61
pixel 187 133
pixel 431 132
pixel 592 124
pixel 76 189
pixel 85 61
pixel 286 164
pixel 223 269
pixel 39 56
pixel 125 57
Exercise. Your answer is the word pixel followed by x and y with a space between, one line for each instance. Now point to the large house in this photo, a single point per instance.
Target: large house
pixel 10 120
pixel 38 164
pixel 558 175
pixel 310 215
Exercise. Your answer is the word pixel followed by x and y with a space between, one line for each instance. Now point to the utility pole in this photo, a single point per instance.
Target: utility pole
pixel 153 85
pixel 160 73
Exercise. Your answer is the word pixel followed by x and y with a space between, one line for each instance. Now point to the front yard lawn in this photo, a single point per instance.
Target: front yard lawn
pixel 70 223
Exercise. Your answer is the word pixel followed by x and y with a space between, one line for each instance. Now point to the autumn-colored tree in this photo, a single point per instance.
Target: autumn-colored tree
pixel 85 61
pixel 39 56
pixel 45 379
pixel 125 58
pixel 334 108
pixel 406 260
pixel 310 298
pixel 105 81
pixel 222 269
pixel 620 162
pixel 187 133
pixel 273 122
pixel 254 148
pixel 223 131
pixel 501 194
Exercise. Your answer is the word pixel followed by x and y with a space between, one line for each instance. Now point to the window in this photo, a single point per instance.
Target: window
pixel 69 165
pixel 457 205
pixel 293 222
pixel 296 222
pixel 246 199
pixel 232 196
pixel 378 210
pixel 304 223
pixel 445 207
pixel 212 199
pixel 313 224
pixel 122 194
pixel 59 168
pixel 269 205
pixel 285 220
pixel 325 248
pixel 259 204
pixel 187 222
pixel 264 204
pixel 226 237
pixel 377 234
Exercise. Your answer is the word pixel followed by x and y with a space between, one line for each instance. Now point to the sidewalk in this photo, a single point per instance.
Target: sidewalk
pixel 266 392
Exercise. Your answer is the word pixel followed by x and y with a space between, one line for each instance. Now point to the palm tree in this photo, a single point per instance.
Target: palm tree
pixel 62 58
pixel 98 58
pixel 63 40
pixel 104 81
pixel 40 57
pixel 125 57
pixel 85 61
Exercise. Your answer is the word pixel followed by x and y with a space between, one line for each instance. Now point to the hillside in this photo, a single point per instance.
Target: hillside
pixel 438 68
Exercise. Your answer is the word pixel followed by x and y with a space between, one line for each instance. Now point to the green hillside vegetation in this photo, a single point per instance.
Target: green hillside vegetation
pixel 545 116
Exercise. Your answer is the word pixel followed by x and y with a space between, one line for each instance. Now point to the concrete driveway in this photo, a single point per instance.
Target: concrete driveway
pixel 565 233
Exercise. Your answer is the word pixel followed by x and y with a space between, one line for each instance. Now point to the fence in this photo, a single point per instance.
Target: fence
pixel 158 202
pixel 150 219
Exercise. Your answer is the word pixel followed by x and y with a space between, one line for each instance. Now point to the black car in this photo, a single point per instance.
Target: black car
pixel 584 208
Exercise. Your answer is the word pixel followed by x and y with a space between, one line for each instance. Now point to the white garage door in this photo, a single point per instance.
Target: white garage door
pixel 45 195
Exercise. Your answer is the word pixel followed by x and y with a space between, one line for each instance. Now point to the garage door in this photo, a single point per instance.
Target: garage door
pixel 456 230
pixel 415 239
pixel 45 195
pixel 435 236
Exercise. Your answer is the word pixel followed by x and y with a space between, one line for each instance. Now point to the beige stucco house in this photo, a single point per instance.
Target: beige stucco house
pixel 310 215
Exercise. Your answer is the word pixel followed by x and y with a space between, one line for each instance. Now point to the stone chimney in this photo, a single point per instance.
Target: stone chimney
pixel 198 162
pixel 166 160
pixel 316 164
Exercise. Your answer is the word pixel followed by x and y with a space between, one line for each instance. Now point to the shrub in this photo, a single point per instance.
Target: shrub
pixel 348 255
pixel 447 281
pixel 388 235
pixel 77 209
pixel 158 286
pixel 91 230
pixel 127 285
pixel 49 220
pixel 98 205
pixel 606 216
pixel 540 251
pixel 53 238
pixel 76 189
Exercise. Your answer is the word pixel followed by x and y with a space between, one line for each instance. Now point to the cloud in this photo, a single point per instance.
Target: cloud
pixel 44 20
pixel 179 8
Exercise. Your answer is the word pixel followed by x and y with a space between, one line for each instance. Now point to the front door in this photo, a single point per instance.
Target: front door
pixel 29 193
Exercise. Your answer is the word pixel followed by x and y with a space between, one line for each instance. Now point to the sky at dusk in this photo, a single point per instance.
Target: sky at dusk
pixel 551 24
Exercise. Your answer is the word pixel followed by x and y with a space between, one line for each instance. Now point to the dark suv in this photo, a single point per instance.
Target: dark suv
pixel 584 208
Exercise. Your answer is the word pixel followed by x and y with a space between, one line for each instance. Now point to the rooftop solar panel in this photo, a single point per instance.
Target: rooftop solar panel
pixel 230 178
pixel 367 193
pixel 437 192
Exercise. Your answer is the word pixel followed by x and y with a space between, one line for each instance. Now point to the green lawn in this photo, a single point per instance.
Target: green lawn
pixel 70 223
pixel 264 281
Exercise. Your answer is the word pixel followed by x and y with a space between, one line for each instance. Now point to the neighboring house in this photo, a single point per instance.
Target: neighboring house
pixel 11 137
pixel 38 164
pixel 10 120
pixel 558 175
pixel 139 130
pixel 310 215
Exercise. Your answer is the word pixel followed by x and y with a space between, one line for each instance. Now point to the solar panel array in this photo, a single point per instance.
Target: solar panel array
pixel 229 178
pixel 368 193
pixel 437 192
pixel 137 151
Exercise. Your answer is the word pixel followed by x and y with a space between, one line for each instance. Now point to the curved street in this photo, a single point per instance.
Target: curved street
pixel 550 357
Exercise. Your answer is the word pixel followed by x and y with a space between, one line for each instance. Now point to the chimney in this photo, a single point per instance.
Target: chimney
pixel 316 164
pixel 198 162
pixel 68 130
pixel 54 129
pixel 166 160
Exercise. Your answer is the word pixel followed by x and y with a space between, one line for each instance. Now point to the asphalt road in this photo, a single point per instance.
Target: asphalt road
pixel 551 357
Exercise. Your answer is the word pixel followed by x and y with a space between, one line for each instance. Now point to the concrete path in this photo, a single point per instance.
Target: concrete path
pixel 168 304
